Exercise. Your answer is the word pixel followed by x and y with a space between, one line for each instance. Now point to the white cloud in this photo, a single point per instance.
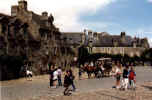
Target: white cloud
pixel 101 26
pixel 150 42
pixel 66 12
pixel 145 32
pixel 149 1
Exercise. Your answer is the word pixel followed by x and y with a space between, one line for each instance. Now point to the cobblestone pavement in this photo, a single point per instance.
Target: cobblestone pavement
pixel 88 89
pixel 142 92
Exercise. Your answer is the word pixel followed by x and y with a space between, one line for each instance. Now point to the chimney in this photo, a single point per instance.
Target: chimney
pixel 123 34
pixel 44 15
pixel 14 10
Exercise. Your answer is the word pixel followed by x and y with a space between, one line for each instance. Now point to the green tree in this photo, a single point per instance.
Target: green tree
pixel 126 59
pixel 82 55
pixel 147 56
pixel 117 57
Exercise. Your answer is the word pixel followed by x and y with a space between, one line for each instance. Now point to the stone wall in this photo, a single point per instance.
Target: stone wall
pixel 0 29
pixel 119 50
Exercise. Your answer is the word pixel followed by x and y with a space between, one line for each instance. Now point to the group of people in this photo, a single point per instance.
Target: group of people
pixel 56 79
pixel 91 69
pixel 128 75
pixel 125 78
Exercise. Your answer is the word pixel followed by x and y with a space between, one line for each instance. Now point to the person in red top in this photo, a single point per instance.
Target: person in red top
pixel 132 78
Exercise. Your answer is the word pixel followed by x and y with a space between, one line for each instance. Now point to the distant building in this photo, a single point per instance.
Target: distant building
pixel 105 43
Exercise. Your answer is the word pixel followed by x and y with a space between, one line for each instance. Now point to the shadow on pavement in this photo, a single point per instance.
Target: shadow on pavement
pixel 147 87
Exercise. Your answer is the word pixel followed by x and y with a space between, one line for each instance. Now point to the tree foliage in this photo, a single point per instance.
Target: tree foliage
pixel 82 55
pixel 147 56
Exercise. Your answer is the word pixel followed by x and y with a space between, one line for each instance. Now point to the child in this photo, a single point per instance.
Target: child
pixel 132 75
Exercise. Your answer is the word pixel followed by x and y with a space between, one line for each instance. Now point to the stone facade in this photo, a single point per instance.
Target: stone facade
pixel 106 43
pixel 119 50
pixel 36 22
pixel 26 33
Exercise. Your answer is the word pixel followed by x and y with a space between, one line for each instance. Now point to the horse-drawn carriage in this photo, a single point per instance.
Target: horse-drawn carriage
pixel 100 68
pixel 107 65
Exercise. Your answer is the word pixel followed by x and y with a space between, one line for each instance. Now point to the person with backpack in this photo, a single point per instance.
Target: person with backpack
pixel 132 78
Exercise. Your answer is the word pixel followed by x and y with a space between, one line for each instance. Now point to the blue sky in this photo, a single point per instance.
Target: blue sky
pixel 132 16
pixel 113 16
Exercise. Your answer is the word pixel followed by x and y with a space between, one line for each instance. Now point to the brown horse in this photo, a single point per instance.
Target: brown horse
pixel 97 71
pixel 90 70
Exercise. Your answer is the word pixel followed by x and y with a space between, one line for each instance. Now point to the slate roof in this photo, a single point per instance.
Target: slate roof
pixel 72 37
pixel 2 16
pixel 108 40
pixel 104 39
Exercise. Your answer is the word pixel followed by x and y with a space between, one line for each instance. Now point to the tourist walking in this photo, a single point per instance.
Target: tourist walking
pixel 132 78
pixel 55 78
pixel 51 75
pixel 102 69
pixel 125 78
pixel 80 73
pixel 28 73
pixel 67 83
pixel 59 70
pixel 72 77
pixel 118 72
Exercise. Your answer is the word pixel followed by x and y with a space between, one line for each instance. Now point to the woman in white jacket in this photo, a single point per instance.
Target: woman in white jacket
pixel 118 72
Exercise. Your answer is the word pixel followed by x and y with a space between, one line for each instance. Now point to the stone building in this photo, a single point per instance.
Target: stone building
pixel 25 33
pixel 35 37
pixel 105 43
pixel 36 22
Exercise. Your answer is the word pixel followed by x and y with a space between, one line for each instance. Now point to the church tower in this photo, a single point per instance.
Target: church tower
pixel 83 37
pixel 123 35
pixel 22 4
